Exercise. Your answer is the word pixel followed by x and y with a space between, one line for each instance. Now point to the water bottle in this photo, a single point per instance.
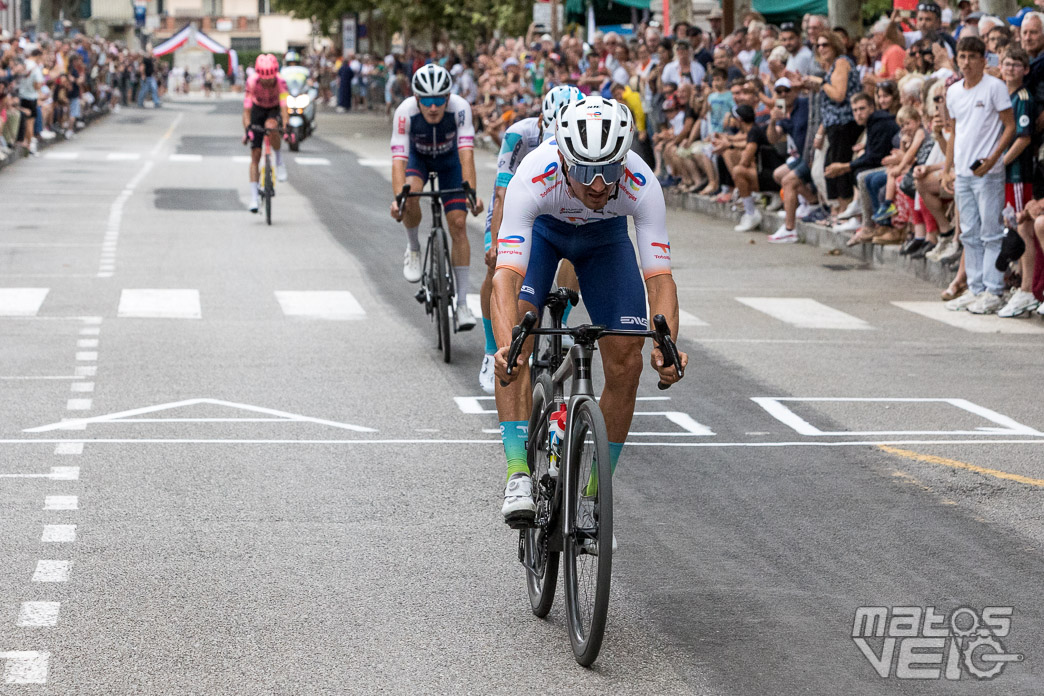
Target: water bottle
pixel 556 430
pixel 1008 215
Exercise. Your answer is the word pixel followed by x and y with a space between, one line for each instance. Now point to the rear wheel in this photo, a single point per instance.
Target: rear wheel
pixel 443 295
pixel 269 190
pixel 540 561
pixel 589 548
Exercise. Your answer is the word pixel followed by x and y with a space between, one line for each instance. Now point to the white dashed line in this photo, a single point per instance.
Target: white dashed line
pixel 318 304
pixel 61 155
pixel 58 533
pixel 38 614
pixel 65 473
pixel 78 405
pixel 123 156
pixel 804 312
pixel 90 331
pixel 68 448
pixel 312 161
pixel 61 502
pixel 86 371
pixel 160 304
pixel 52 571
pixel 87 343
pixel 186 158
pixel 86 356
pixel 81 387
pixel 25 667
pixel 21 302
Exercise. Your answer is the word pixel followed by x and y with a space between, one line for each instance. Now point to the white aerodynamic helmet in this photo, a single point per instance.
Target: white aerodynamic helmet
pixel 431 81
pixel 553 101
pixel 594 131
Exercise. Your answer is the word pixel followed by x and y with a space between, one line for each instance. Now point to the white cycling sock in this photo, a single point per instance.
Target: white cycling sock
pixel 748 205
pixel 461 274
pixel 413 237
pixel 255 189
pixel 279 158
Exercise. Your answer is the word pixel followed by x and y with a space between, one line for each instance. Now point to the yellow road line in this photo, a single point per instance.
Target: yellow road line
pixel 954 464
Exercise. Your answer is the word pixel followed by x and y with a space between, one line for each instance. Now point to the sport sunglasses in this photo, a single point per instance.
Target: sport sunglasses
pixel 587 173
pixel 433 101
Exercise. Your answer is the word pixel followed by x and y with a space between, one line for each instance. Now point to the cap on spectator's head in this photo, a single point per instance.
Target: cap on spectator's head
pixel 929 7
pixel 783 82
pixel 456 69
pixel 787 26
pixel 744 112
pixel 546 37
pixel 510 61
pixel 1016 21
pixel 715 13
pixel 963 2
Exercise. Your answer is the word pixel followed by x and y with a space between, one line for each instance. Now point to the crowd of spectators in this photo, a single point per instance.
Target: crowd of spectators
pixel 49 86
pixel 870 135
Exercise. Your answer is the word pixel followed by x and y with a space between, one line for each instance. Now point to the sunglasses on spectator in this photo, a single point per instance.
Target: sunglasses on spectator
pixel 587 173
pixel 927 53
pixel 782 90
pixel 938 98
pixel 433 101
pixel 823 44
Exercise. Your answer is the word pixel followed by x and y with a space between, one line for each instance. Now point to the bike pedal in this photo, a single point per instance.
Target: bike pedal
pixel 419 296
pixel 521 520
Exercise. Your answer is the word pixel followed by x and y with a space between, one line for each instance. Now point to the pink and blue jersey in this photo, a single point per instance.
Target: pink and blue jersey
pixel 265 96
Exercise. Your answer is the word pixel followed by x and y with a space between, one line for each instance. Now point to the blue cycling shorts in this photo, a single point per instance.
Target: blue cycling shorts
pixel 605 263
pixel 450 176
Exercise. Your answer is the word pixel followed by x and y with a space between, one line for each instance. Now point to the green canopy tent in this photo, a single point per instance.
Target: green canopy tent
pixel 777 11
pixel 606 11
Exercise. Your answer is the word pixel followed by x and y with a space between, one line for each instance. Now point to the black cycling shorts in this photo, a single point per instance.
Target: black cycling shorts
pixel 258 116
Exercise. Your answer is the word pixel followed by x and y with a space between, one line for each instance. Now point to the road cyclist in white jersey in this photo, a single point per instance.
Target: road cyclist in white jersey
pixel 571 198
pixel 519 140
pixel 432 132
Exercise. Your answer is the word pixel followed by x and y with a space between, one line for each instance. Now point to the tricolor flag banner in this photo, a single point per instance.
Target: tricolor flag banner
pixel 233 61
pixel 175 42
pixel 204 41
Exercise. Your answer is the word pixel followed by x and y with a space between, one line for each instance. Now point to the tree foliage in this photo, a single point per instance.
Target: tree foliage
pixel 469 21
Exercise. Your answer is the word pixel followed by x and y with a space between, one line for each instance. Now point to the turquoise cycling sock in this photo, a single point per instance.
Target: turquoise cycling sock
pixel 514 435
pixel 491 343
pixel 615 448
pixel 565 314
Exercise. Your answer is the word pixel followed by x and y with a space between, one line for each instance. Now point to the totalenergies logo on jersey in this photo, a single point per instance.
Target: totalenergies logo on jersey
pixel 635 181
pixel 665 250
pixel 549 175
pixel 510 245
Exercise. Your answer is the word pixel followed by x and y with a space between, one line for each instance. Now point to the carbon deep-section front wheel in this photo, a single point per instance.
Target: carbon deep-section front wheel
pixel 540 561
pixel 443 294
pixel 588 549
pixel 269 191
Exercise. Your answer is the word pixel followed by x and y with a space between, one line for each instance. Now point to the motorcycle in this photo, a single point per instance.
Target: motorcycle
pixel 300 105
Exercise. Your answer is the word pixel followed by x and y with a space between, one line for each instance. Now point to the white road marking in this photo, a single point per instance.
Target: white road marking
pixel 320 304
pixel 21 302
pixel 91 320
pixel 68 448
pixel 775 408
pixel 81 387
pixel 61 502
pixel 112 228
pixel 66 473
pixel 86 370
pixel 90 331
pixel 123 156
pixel 58 533
pixel 87 343
pixel 241 159
pixel 60 155
pixel 369 162
pixel 25 667
pixel 687 319
pixel 975 323
pixel 470 404
pixel 312 161
pixel 52 571
pixel 160 304
pixel 38 614
pixel 127 417
pixel 682 420
pixel 186 158
pixel 804 312
pixel 78 405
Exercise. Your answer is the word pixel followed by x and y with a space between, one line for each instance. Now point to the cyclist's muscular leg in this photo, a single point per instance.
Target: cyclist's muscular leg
pixel 622 366
pixel 566 277
pixel 456 221
pixel 271 124
pixel 255 165
pixel 411 217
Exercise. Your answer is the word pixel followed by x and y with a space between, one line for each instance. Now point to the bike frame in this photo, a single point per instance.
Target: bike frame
pixel 577 368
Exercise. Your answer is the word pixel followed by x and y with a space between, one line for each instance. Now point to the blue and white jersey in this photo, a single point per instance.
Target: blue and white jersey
pixel 412 133
pixel 519 140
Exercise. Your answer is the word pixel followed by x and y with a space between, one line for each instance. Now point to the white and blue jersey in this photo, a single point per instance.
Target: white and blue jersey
pixel 433 147
pixel 519 140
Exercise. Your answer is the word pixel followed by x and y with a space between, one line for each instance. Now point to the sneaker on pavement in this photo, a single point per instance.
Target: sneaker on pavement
pixel 486 374
pixel 782 214
pixel 986 303
pixel 816 215
pixel 1021 302
pixel 411 269
pixel 69 135
pixel 923 251
pixel 942 249
pixel 281 172
pixel 465 319
pixel 783 236
pixel 33 146
pixel 1040 309
pixel 48 134
pixel 849 225
pixel 775 203
pixel 854 208
pixel 748 223
pixel 885 212
pixel 962 302
pixel 519 508
pixel 804 209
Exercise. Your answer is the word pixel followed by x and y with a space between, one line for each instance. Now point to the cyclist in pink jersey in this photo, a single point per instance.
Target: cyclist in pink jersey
pixel 264 108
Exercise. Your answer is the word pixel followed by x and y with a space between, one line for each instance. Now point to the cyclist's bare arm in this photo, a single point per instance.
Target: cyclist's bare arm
pixel 398 181
pixel 663 299
pixel 494 224
pixel 467 168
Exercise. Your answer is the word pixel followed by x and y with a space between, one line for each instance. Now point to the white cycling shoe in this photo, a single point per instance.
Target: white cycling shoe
pixel 519 510
pixel 255 203
pixel 411 266
pixel 486 380
pixel 465 319
pixel 281 172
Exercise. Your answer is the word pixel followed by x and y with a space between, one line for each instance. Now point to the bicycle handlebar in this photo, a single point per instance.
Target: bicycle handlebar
pixel 587 333
pixel 465 188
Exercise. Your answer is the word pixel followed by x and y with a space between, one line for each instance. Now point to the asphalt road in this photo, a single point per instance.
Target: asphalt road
pixel 224 497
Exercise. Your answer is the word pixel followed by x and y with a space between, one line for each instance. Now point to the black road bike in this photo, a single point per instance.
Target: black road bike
pixel 572 480
pixel 437 288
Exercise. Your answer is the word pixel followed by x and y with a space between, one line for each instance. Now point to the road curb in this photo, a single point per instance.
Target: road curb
pixel 874 255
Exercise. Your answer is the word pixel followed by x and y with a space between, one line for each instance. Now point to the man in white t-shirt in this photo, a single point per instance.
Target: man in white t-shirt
pixel 980 109
pixel 683 68
pixel 800 59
